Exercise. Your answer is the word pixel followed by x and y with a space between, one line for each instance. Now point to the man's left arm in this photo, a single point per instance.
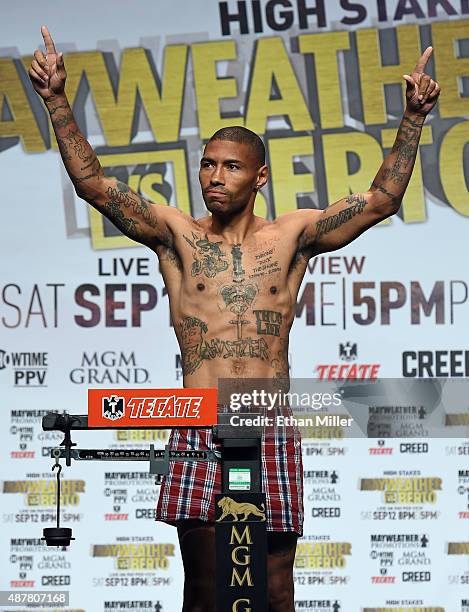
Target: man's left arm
pixel 346 219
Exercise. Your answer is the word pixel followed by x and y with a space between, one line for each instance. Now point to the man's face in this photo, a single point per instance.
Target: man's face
pixel 229 176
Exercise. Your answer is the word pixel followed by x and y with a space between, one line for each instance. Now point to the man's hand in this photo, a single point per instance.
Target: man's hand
pixel 422 91
pixel 47 72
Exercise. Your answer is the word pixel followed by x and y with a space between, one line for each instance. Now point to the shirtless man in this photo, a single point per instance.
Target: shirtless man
pixel 232 280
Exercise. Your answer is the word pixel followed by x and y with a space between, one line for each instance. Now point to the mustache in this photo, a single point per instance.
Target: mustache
pixel 220 189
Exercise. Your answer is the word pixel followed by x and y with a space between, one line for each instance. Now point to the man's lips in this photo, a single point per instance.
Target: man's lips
pixel 214 192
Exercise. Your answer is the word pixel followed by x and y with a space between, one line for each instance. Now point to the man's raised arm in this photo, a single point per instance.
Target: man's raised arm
pixel 136 217
pixel 346 219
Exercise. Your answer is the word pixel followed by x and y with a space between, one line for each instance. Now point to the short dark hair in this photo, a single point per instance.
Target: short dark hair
pixel 237 133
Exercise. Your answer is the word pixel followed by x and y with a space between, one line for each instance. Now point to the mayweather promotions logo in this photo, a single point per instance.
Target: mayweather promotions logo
pixel 322 485
pixel 318 605
pixel 394 551
pixel 133 605
pixel 397 421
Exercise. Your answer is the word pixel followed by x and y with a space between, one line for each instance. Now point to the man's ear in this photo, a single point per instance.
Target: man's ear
pixel 262 177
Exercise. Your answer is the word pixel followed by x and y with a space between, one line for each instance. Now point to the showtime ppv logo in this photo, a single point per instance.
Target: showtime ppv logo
pixel 152 407
pixel 348 352
pixel 29 368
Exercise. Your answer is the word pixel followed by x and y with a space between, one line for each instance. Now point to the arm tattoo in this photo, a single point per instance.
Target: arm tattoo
pixel 79 158
pixel 416 124
pixel 126 225
pixel 85 171
pixel 63 121
pixel 403 153
pixel 52 111
pixel 96 171
pixel 79 145
pixel 357 204
pixel 394 198
pixel 121 195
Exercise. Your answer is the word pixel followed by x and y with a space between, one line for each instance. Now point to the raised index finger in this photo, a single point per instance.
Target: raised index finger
pixel 420 65
pixel 49 43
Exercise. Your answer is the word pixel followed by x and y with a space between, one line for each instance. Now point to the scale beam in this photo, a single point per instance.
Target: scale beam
pixel 124 454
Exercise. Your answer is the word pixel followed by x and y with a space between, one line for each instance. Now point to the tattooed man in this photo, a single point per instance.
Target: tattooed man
pixel 233 279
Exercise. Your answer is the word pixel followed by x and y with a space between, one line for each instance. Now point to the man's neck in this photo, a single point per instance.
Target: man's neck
pixel 234 228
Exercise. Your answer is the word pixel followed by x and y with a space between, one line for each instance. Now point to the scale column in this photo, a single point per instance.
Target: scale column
pixel 240 528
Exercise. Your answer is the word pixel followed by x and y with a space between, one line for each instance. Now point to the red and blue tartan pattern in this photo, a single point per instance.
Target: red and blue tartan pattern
pixel 188 491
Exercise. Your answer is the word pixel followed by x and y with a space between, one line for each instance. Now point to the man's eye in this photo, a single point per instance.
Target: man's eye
pixel 233 166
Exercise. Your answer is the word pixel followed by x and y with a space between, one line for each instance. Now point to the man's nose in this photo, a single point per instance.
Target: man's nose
pixel 217 177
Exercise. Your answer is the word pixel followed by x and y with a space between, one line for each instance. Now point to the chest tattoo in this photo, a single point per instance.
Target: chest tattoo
pixel 208 257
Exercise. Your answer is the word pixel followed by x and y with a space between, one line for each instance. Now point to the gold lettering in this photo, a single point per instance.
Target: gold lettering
pixel 325 47
pixel 453 180
pixel 272 61
pixel 209 88
pixel 458 548
pixel 285 183
pixel 246 577
pixel 451 68
pixel 374 75
pixel 234 607
pixel 247 558
pixel 23 122
pixel 245 536
pixel 338 179
pixel 142 563
pixel 163 108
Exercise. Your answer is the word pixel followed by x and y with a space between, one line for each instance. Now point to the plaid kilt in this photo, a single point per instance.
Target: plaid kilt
pixel 188 491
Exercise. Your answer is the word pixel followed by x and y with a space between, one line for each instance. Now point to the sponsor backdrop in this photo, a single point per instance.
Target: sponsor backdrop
pixel 386 521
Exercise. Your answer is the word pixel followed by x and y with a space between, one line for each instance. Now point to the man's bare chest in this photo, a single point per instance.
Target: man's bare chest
pixel 209 260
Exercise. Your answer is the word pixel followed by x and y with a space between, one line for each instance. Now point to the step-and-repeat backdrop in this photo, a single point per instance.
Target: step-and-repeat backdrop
pixel 386 521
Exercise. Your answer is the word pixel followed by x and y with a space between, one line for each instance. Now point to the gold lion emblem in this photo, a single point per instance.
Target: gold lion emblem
pixel 230 506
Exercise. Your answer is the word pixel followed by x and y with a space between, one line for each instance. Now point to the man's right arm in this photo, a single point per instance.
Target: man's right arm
pixel 135 217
